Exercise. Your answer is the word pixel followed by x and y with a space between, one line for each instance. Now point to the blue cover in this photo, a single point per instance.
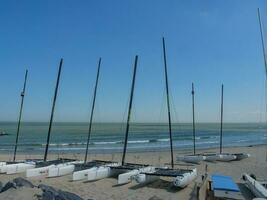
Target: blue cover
pixel 220 182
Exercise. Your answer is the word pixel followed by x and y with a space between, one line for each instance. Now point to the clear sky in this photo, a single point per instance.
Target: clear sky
pixel 208 42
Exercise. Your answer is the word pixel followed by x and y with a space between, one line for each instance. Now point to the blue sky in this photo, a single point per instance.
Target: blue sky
pixel 208 42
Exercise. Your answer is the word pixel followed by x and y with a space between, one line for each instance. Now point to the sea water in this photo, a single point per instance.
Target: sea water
pixel 109 137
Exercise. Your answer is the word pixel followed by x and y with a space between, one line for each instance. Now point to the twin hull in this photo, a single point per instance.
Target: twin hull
pixel 179 181
pixel 39 172
pixel 16 168
pixel 191 158
pixel 128 176
pixel 95 173
pixel 224 157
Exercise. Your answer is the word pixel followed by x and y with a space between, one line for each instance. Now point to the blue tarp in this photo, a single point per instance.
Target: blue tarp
pixel 220 182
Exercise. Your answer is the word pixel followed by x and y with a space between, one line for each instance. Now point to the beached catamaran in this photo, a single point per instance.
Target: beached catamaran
pixel 17 166
pixel 196 158
pixel 140 172
pixel 42 167
pixel 180 177
pixel 109 169
pixel 258 188
pixel 81 169
pixel 224 157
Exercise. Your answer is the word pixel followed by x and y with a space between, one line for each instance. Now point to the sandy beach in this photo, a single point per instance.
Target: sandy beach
pixel 162 189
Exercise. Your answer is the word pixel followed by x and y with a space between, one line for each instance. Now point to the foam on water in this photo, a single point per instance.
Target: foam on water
pixel 142 137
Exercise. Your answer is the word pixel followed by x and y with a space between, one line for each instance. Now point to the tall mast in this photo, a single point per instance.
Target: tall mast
pixel 20 113
pixel 221 129
pixel 168 101
pixel 265 61
pixel 92 111
pixel 129 111
pixel 262 42
pixel 53 109
pixel 193 110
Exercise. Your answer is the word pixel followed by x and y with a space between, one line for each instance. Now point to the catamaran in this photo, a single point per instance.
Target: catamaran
pixel 115 169
pixel 195 158
pixel 17 166
pixel 180 177
pixel 42 167
pixel 258 188
pixel 81 168
pixel 143 173
pixel 225 157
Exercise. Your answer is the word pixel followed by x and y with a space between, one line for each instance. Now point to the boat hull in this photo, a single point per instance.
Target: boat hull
pixel 241 156
pixel 39 172
pixel 226 157
pixel 16 168
pixel 185 179
pixel 211 157
pixel 191 158
pixel 103 172
pixel 99 173
pixel 145 179
pixel 129 176
pixel 256 188
pixel 60 170
pixel 81 175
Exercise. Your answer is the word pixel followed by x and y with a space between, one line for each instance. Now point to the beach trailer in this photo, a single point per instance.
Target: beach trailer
pixel 224 187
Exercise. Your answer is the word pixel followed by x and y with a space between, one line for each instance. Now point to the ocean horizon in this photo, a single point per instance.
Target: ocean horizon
pixel 68 137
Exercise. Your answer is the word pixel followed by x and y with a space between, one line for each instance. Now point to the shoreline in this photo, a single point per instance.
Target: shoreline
pixel 116 156
pixel 159 150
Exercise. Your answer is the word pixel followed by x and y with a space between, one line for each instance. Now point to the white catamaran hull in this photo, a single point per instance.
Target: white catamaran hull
pixel 241 156
pixel 191 158
pixel 179 181
pixel 80 175
pixel 211 157
pixel 62 169
pixel 129 176
pixel 145 179
pixel 185 179
pixel 258 189
pixel 16 168
pixel 39 172
pixel 98 173
pixel 102 172
pixel 226 157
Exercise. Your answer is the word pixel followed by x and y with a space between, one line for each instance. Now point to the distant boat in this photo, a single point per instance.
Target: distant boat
pixel 3 133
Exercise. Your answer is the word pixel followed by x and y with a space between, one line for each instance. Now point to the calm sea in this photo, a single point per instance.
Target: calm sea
pixel 108 137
